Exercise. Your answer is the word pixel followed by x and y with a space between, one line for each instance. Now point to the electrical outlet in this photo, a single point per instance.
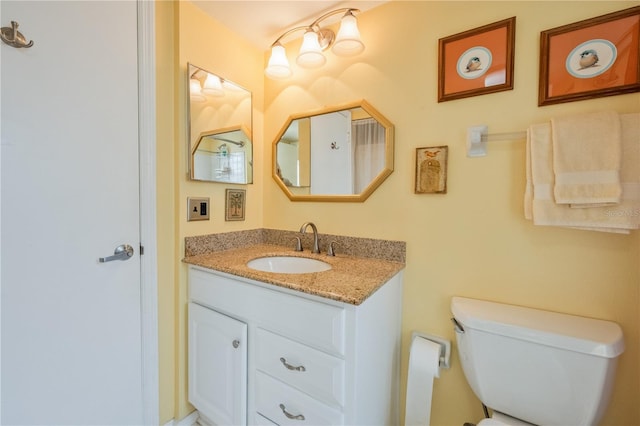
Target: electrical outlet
pixel 197 209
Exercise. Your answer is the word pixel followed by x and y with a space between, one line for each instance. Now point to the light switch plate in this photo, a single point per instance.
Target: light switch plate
pixel 197 209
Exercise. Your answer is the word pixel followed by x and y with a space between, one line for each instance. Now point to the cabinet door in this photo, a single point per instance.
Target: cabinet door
pixel 217 365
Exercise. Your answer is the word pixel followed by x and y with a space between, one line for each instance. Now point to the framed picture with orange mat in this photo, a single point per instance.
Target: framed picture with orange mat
pixel 590 59
pixel 477 61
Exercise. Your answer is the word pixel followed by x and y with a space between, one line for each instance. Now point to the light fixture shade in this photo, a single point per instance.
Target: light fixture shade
pixel 195 91
pixel 278 66
pixel 348 41
pixel 213 86
pixel 310 55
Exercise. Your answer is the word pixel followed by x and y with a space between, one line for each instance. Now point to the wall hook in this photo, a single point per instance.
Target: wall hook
pixel 13 37
pixel 334 145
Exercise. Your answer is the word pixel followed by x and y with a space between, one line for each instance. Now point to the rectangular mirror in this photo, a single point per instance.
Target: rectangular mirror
pixel 220 122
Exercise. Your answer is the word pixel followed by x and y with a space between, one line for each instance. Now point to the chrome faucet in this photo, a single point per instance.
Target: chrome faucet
pixel 303 229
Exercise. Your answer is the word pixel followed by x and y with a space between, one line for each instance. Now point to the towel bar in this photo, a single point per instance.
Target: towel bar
pixel 477 138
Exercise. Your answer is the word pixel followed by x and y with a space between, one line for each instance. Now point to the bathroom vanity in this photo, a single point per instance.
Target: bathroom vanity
pixel 312 348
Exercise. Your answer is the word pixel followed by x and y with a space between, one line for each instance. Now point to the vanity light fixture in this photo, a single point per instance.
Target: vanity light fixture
pixel 314 42
pixel 195 90
pixel 212 86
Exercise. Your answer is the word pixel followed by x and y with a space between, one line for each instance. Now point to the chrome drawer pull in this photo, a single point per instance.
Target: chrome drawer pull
pixel 291 367
pixel 289 415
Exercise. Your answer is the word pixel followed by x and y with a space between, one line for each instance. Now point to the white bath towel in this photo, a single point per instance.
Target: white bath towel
pixel 587 158
pixel 539 202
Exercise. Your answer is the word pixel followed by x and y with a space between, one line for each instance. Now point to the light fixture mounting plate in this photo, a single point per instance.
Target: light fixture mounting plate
pixel 325 38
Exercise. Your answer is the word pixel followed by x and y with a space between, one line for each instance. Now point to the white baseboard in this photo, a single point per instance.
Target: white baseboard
pixel 190 420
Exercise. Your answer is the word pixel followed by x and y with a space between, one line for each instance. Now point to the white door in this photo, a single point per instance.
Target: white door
pixel 71 326
pixel 217 366
pixel 331 154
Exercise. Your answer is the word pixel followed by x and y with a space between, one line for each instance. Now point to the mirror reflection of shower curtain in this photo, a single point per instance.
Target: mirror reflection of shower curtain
pixel 368 146
pixel 228 167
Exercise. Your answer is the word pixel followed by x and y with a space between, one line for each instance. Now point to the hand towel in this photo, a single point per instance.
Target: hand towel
pixel 539 202
pixel 629 207
pixel 586 158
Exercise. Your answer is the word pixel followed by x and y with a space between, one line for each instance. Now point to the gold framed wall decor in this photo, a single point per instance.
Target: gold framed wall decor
pixel 235 203
pixel 431 170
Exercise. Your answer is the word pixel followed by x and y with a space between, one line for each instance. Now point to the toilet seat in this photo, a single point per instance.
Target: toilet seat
pixel 499 419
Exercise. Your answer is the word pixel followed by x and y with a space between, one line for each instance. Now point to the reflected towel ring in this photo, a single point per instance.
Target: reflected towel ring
pixel 13 37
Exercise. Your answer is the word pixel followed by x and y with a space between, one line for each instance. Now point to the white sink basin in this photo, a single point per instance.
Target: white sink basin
pixel 288 265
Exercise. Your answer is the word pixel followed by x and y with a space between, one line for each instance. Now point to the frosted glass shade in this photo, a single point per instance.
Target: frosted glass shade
pixel 310 55
pixel 195 91
pixel 213 86
pixel 278 66
pixel 348 41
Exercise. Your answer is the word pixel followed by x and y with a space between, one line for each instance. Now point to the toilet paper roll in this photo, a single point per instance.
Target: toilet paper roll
pixel 424 359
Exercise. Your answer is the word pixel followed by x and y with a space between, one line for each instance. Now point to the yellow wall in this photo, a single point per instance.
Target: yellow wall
pixel 472 241
pixel 206 43
pixel 166 203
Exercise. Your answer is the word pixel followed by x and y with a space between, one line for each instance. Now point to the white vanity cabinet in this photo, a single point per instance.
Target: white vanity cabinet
pixel 308 360
pixel 217 365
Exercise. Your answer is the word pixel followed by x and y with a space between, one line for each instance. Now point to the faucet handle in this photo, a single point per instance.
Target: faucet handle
pixel 298 244
pixel 331 251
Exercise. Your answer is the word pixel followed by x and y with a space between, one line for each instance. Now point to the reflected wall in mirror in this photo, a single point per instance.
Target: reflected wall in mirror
pixel 337 154
pixel 220 138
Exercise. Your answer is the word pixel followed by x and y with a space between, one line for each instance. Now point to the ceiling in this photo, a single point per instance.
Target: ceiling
pixel 262 21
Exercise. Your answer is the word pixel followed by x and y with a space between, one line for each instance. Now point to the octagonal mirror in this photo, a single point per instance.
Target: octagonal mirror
pixel 336 154
pixel 220 139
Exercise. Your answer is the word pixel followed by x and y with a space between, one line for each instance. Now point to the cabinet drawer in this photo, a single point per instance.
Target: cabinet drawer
pixel 312 371
pixel 285 405
pixel 312 322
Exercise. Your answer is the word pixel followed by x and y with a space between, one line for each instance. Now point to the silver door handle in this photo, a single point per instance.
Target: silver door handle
pixel 122 252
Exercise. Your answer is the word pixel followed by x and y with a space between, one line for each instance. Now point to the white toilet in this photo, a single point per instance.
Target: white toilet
pixel 536 367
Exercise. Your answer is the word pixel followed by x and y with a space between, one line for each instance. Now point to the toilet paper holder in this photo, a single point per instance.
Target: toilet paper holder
pixel 445 347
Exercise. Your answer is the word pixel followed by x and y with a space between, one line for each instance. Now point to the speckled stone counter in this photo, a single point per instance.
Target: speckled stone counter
pixel 351 279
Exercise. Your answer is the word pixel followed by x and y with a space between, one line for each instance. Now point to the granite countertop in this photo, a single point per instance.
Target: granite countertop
pixel 351 279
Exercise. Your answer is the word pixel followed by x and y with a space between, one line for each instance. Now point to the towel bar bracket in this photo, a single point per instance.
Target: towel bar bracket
pixel 476 146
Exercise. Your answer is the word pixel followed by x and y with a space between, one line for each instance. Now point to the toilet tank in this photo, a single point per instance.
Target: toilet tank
pixel 542 367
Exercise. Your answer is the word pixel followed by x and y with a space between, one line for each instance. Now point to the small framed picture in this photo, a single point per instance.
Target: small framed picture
pixel 476 62
pixel 235 204
pixel 590 59
pixel 431 170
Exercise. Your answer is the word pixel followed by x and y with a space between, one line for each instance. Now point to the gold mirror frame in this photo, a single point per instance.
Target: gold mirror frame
pixel 373 185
